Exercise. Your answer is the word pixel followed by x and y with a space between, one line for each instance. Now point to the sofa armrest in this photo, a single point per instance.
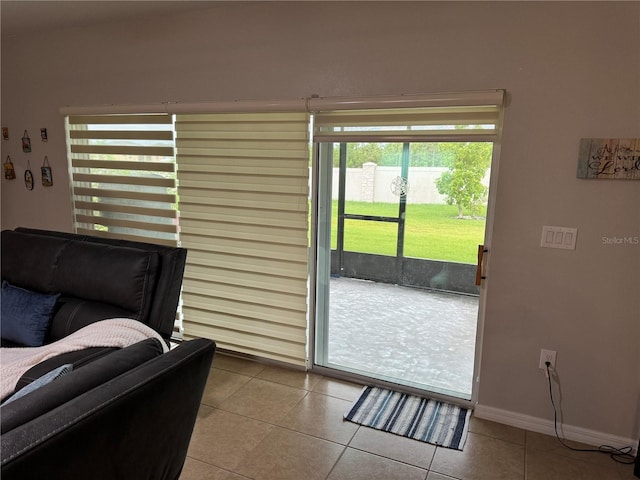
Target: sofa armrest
pixel 91 368
pixel 136 426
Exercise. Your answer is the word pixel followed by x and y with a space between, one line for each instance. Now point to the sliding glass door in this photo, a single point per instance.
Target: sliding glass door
pixel 397 299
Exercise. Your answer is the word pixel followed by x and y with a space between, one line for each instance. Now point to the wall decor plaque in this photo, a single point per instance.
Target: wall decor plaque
pixel 28 177
pixel 26 142
pixel 9 171
pixel 47 175
pixel 609 158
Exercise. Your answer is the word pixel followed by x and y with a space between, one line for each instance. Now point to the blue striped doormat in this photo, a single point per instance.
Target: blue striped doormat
pixel 414 417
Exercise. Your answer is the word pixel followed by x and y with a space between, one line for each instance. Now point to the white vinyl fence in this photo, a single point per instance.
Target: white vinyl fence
pixel 372 183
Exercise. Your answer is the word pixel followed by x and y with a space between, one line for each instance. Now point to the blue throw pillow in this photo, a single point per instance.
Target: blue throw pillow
pixel 26 315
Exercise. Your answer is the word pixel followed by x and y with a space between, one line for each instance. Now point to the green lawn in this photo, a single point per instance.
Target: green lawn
pixel 431 231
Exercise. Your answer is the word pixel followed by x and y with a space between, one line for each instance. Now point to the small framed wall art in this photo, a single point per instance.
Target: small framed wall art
pixel 609 158
pixel 9 171
pixel 47 175
pixel 26 142
pixel 28 177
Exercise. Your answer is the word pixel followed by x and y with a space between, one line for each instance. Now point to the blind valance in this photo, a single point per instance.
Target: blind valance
pixel 465 117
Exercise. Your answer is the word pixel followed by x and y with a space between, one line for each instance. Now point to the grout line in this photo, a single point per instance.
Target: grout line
pixel 336 462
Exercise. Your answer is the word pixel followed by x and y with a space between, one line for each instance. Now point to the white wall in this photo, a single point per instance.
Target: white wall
pixel 571 69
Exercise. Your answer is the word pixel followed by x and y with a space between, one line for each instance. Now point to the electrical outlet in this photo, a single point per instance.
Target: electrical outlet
pixel 547 356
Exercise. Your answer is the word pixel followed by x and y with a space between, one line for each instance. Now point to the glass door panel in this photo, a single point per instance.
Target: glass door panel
pixel 396 298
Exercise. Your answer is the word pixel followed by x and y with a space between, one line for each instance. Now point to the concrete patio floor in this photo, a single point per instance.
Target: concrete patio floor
pixel 422 338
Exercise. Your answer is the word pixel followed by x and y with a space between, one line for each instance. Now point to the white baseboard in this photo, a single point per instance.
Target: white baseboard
pixel 541 425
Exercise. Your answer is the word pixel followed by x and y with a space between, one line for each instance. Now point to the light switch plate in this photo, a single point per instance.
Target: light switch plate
pixel 559 237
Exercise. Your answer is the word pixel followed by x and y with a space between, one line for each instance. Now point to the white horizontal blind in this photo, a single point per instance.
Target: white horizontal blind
pixel 466 117
pixel 244 218
pixel 123 176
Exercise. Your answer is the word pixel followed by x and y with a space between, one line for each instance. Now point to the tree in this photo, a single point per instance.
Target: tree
pixel 359 154
pixel 462 183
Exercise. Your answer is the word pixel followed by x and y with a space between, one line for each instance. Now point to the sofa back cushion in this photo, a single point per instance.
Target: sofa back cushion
pixel 72 314
pixel 88 276
pixel 122 276
pixel 28 261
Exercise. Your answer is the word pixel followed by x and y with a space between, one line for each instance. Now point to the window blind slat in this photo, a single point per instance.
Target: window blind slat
pixel 121 135
pixel 122 180
pixel 203 239
pixel 411 115
pixel 124 194
pixel 195 297
pixel 128 119
pixel 238 325
pixel 244 215
pixel 244 263
pixel 201 165
pixel 257 200
pixel 487 135
pixel 123 150
pixel 114 222
pixel 238 152
pixel 239 341
pixel 111 207
pixel 245 126
pixel 124 165
pixel 242 183
pixel 275 137
pixel 294 119
pixel 234 285
pixel 250 231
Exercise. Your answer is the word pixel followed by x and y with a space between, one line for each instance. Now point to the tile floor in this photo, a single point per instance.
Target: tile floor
pixel 268 423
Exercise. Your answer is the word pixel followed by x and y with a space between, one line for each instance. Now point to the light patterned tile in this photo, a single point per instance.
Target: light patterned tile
pixel 395 447
pixel 338 388
pixel 290 377
pixel 358 465
pixel 548 466
pixel 482 458
pixel 220 385
pixel 197 470
pixel 538 442
pixel 287 455
pixel 262 400
pixel 497 430
pixel 239 365
pixel 439 476
pixel 321 416
pixel 224 439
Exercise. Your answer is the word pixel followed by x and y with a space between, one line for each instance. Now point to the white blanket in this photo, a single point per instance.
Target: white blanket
pixel 116 332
